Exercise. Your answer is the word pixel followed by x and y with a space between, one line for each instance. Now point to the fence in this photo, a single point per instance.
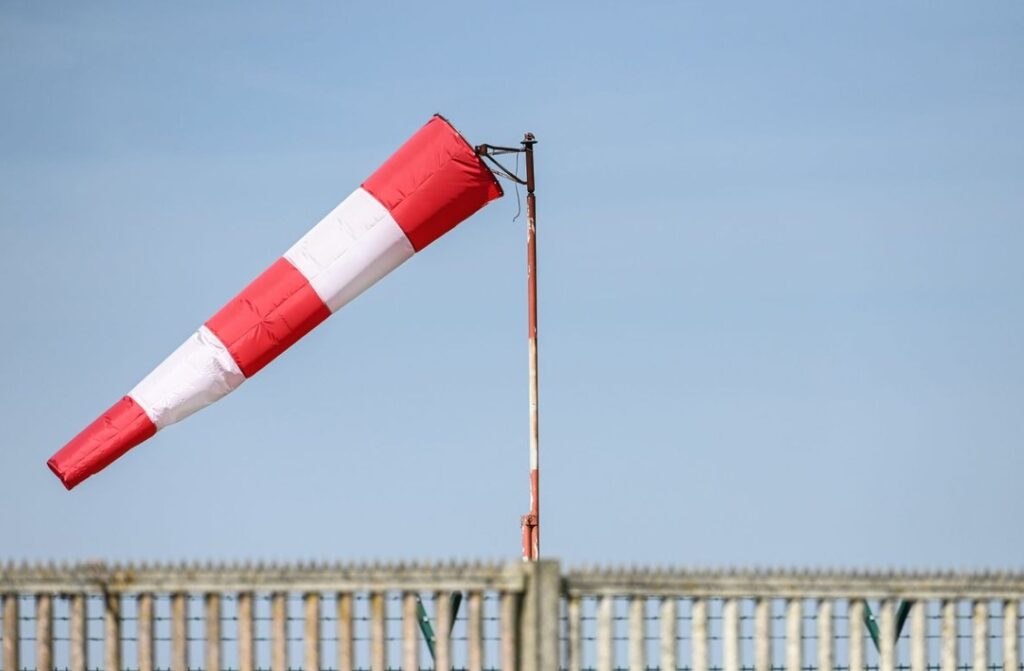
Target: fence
pixel 516 617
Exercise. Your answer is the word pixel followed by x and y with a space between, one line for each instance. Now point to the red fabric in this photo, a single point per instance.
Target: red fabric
pixel 268 317
pixel 433 182
pixel 113 433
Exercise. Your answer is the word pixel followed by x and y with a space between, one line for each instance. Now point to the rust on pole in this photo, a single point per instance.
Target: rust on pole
pixel 531 521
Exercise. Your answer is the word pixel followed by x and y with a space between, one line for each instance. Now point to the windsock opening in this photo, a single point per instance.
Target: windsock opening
pixel 433 182
pixel 427 187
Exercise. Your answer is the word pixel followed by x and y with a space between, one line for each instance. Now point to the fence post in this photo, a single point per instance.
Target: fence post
pixel 637 634
pixel 826 635
pixel 574 650
pixel 540 616
pixel 918 636
pixel 346 632
pixel 12 615
pixel 1011 633
pixel 731 635
pixel 145 633
pixel 979 634
pixel 410 632
pixel 79 646
pixel 279 631
pixel 44 632
pixel 510 631
pixel 795 634
pixel 246 633
pixel 699 634
pixel 669 625
pixel 211 614
pixel 855 616
pixel 112 630
pixel 763 635
pixel 605 633
pixel 475 632
pixel 179 631
pixel 442 632
pixel 311 635
pixel 950 644
pixel 887 635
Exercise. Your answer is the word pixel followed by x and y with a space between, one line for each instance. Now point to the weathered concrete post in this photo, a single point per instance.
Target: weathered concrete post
pixel 179 631
pixel 146 633
pixel 540 616
pixel 856 642
pixel 44 632
pixel 112 630
pixel 211 614
pixel 79 647
pixel 12 615
pixel 1011 633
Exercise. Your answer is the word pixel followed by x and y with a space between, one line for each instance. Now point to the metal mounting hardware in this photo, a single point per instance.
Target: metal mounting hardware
pixel 488 152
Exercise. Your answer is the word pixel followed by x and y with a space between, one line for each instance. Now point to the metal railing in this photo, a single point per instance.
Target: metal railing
pixel 516 616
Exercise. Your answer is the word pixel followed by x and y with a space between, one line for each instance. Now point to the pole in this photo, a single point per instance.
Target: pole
pixel 531 521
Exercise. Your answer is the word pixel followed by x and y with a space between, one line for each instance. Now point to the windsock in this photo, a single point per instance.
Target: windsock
pixel 433 182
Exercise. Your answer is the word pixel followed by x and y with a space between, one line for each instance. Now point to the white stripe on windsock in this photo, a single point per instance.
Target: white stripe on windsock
pixel 351 248
pixel 195 375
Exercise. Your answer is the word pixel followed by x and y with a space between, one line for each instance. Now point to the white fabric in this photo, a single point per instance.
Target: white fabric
pixel 195 375
pixel 351 248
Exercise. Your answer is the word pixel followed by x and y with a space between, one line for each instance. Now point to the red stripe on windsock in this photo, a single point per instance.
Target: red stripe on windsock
pixel 268 317
pixel 112 434
pixel 434 181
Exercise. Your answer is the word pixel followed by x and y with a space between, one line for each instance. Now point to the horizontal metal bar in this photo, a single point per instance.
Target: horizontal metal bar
pixel 494 149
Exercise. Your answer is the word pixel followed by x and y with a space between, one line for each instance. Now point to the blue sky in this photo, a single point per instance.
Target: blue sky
pixel 782 295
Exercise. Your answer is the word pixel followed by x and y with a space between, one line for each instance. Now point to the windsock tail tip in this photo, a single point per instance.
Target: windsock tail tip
pixel 64 479
pixel 113 433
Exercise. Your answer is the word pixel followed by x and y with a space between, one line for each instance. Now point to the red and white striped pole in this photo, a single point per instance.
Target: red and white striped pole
pixel 434 181
pixel 531 521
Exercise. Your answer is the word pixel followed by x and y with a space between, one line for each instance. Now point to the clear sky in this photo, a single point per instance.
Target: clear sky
pixel 782 285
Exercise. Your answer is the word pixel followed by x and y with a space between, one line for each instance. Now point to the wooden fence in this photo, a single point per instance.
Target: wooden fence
pixel 516 616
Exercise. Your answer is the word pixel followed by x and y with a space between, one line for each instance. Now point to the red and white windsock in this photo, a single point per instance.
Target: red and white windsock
pixel 433 182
